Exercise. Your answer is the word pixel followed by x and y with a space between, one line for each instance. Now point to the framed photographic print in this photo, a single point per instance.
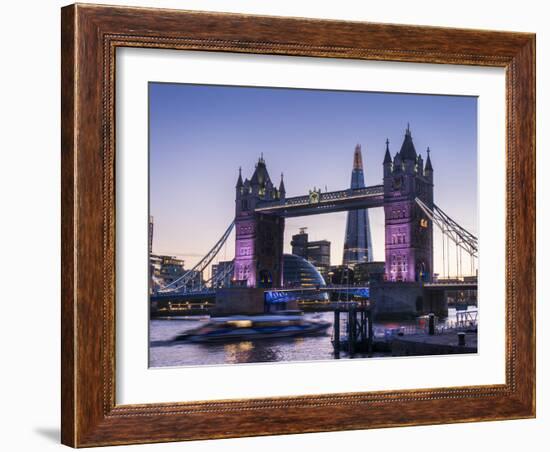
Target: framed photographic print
pixel 280 225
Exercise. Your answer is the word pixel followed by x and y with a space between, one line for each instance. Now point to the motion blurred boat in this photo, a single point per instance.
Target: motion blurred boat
pixel 237 328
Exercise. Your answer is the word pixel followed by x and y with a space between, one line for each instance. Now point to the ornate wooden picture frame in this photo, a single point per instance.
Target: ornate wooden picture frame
pixel 90 37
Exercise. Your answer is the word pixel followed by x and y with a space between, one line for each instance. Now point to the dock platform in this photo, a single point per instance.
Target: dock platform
pixel 437 344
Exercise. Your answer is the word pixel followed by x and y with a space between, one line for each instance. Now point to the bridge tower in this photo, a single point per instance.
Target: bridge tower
pixel 409 232
pixel 259 237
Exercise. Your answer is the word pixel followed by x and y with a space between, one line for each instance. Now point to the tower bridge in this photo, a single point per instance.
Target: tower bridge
pixel 406 196
pixel 261 209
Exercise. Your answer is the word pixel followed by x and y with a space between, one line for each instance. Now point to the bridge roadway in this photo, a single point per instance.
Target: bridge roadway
pixel 319 202
pixel 362 291
pixel 331 288
pixel 210 293
pixel 451 285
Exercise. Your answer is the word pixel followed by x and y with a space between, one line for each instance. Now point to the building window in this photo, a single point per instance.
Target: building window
pixel 245 251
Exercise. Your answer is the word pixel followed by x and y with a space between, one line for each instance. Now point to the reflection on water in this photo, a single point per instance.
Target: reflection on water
pixel 164 352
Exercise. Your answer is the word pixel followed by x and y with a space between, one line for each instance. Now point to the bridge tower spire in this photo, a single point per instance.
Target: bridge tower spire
pixel 388 162
pixel 282 189
pixel 240 179
pixel 428 170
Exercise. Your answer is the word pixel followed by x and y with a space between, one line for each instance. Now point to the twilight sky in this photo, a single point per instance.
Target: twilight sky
pixel 199 136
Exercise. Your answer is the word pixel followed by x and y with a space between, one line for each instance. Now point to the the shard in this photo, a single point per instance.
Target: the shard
pixel 358 241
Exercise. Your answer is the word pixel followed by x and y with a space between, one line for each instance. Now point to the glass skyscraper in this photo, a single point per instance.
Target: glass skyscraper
pixel 358 241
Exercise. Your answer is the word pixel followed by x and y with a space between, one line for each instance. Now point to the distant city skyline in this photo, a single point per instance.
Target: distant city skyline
pixel 200 135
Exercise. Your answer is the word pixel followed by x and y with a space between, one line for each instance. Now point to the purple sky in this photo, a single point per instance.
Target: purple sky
pixel 200 135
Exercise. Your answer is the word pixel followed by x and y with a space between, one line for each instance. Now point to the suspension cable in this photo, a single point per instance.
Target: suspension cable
pixel 443 250
pixel 456 255
pixel 448 260
pixel 463 238
pixel 201 265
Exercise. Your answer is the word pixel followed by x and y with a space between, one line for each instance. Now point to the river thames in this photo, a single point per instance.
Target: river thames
pixel 164 352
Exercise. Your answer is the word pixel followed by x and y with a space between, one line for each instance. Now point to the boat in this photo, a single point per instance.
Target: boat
pixel 238 328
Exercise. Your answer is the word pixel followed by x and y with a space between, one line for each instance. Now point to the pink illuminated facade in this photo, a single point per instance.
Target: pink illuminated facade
pixel 259 238
pixel 408 232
